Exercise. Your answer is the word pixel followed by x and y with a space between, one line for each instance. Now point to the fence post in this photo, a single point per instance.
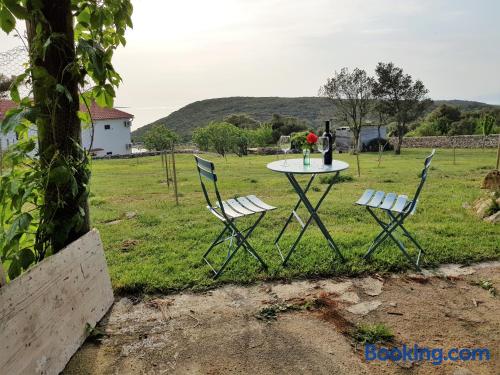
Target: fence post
pixel 167 169
pixel 174 172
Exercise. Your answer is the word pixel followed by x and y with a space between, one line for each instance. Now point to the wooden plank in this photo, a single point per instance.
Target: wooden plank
pixel 44 312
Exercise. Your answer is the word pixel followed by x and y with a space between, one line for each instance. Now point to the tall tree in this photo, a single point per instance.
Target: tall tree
pixel 71 45
pixel 399 97
pixel 351 92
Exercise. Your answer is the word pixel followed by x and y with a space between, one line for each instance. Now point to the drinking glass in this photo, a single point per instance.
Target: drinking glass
pixel 285 144
pixel 322 145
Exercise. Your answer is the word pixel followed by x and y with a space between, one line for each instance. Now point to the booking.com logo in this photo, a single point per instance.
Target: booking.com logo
pixel 434 355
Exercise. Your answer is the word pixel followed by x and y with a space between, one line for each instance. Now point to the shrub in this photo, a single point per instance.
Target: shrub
pixel 159 138
pixel 260 137
pixel 222 138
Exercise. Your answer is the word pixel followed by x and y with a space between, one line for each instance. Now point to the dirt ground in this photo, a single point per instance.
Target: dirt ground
pixel 303 327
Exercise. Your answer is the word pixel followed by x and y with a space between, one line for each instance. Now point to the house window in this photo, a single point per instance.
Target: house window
pixel 109 152
pixel 107 127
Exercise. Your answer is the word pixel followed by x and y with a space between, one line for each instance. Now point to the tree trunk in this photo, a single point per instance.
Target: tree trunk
pixel 59 129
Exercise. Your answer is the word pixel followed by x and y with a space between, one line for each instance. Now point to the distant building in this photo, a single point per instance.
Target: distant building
pixel 111 130
pixel 343 136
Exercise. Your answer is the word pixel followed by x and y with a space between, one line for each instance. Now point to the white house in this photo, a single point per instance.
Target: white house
pixel 111 130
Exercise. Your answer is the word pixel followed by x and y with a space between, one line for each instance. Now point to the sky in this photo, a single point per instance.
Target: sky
pixel 188 50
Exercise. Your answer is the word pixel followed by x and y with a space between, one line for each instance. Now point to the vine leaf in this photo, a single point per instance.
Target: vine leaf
pixel 7 20
pixel 14 268
pixel 26 257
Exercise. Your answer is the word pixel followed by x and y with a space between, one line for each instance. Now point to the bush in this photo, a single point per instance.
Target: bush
pixel 299 140
pixel 463 127
pixel 222 138
pixel 242 121
pixel 159 138
pixel 282 125
pixel 260 137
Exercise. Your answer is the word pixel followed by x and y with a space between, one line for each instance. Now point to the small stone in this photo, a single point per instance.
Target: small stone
pixel 114 222
pixel 364 308
pixel 350 297
pixel 495 218
pixel 130 214
pixel 483 206
pixel 371 286
pixel 393 304
pixel 466 205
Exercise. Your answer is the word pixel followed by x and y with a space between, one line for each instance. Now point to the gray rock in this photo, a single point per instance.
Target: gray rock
pixel 364 308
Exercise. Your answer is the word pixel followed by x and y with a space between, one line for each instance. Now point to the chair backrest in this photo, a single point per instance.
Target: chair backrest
pixel 423 177
pixel 206 172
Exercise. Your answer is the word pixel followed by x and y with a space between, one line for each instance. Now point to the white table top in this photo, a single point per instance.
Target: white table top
pixel 296 166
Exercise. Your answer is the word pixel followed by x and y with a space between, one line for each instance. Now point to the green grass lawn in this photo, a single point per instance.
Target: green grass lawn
pixel 171 239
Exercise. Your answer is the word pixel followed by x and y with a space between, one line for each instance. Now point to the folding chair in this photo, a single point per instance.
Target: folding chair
pixel 228 212
pixel 397 208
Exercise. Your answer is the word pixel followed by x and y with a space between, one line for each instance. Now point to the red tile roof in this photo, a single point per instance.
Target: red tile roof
pixel 97 112
pixel 5 105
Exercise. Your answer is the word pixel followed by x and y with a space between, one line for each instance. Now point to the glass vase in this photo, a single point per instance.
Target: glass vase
pixel 307 156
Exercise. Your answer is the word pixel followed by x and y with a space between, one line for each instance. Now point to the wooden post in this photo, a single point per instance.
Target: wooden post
pixel 174 175
pixel 167 169
pixel 357 162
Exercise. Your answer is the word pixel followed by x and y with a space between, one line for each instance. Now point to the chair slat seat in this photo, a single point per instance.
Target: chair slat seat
pixel 400 204
pixel 260 203
pixel 235 205
pixel 247 204
pixel 376 200
pixel 365 198
pixel 388 201
pixel 229 211
pixel 217 215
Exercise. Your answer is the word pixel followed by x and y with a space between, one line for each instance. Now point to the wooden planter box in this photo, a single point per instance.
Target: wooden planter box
pixel 44 313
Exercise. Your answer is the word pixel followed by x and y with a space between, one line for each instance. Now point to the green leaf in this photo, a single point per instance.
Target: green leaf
pixel 7 20
pixel 26 258
pixel 17 10
pixel 84 16
pixel 59 175
pixel 14 269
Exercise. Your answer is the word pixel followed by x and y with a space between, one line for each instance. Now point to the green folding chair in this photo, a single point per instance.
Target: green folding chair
pixel 397 208
pixel 228 212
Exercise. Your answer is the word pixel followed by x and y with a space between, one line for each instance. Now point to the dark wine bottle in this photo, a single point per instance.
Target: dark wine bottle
pixel 328 155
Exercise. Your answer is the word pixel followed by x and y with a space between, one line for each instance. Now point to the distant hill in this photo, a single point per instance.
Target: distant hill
pixel 312 109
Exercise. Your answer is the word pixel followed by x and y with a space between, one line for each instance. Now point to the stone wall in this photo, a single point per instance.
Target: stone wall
pixel 459 141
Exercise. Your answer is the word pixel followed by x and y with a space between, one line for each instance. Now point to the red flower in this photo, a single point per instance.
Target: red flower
pixel 312 138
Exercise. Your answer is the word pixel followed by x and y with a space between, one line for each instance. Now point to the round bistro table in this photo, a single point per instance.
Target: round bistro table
pixel 292 167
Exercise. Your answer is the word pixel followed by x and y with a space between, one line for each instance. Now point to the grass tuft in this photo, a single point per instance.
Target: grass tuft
pixel 373 333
